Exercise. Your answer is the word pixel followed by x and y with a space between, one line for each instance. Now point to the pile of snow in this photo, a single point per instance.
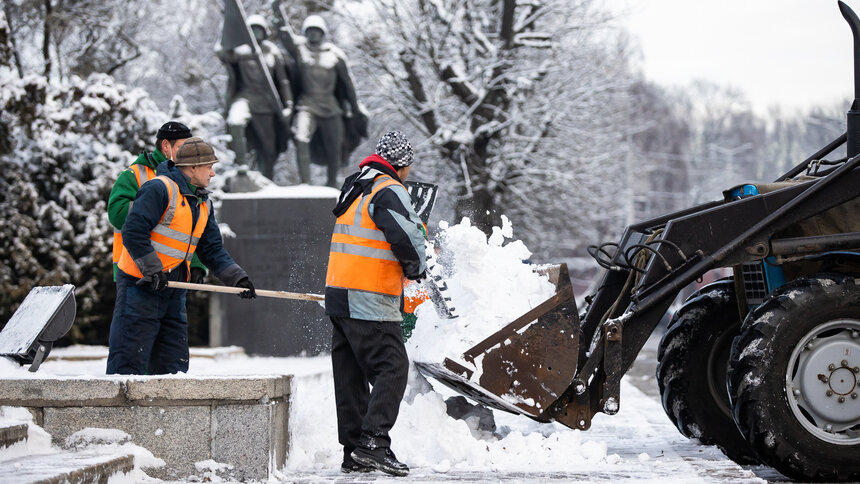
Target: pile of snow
pixel 38 441
pixel 113 442
pixel 210 471
pixel 489 284
pixel 93 440
pixel 426 437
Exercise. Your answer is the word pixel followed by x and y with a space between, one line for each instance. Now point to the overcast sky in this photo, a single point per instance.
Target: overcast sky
pixel 795 53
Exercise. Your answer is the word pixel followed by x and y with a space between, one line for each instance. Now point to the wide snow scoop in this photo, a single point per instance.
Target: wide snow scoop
pixel 525 367
pixel 45 316
pixel 236 290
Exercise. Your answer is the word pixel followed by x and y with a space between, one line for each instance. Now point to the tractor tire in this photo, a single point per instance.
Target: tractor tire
pixel 692 361
pixel 794 379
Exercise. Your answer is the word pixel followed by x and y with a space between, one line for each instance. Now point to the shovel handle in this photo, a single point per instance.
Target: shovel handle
pixel 237 290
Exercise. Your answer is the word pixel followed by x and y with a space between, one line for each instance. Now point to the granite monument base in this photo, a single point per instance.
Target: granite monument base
pixel 282 239
pixel 239 421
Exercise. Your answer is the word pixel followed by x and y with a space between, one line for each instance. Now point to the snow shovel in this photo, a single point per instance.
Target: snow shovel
pixel 423 197
pixel 525 367
pixel 236 290
pixel 45 316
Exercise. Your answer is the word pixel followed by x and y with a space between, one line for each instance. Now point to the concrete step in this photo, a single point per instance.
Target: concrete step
pixel 73 468
pixel 11 434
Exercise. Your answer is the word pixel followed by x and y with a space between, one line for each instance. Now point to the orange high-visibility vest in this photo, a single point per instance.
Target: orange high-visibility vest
pixel 143 174
pixel 174 239
pixel 360 258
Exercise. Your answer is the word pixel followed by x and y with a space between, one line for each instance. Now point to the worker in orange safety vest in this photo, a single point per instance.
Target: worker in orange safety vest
pixel 170 221
pixel 168 140
pixel 377 241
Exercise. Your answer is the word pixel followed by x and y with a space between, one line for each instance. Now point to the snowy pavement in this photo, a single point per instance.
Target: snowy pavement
pixel 641 445
pixel 638 444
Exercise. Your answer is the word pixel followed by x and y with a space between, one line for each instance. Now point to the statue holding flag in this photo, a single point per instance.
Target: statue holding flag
pixel 259 97
pixel 329 122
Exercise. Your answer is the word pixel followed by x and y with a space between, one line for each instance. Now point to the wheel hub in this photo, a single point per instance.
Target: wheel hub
pixel 842 381
pixel 824 381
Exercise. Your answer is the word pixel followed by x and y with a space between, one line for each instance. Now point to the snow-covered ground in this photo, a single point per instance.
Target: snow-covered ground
pixel 638 444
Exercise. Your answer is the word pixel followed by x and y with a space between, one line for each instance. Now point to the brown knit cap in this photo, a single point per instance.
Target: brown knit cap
pixel 195 152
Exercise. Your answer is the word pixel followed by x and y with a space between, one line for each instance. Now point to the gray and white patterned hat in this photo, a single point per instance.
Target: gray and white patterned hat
pixel 395 148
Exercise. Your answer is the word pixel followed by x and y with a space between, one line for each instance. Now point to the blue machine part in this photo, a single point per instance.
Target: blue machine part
pixel 774 275
pixel 762 278
pixel 743 191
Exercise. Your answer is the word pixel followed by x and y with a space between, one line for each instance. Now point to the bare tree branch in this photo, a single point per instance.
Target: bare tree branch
pixel 507 30
pixel 460 88
pixel 46 38
pixel 122 62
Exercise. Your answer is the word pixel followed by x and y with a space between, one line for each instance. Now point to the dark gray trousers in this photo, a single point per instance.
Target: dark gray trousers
pixel 362 353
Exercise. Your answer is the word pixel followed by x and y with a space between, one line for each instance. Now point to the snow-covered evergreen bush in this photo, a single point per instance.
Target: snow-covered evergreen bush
pixel 62 145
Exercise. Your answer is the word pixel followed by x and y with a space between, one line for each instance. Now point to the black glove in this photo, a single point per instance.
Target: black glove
pixel 197 275
pixel 246 283
pixel 418 277
pixel 156 282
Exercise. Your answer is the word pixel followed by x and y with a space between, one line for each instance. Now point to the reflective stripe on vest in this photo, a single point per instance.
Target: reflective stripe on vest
pixel 360 258
pixel 142 174
pixel 173 239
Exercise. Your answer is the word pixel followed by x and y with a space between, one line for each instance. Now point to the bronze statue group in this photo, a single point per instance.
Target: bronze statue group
pixel 301 90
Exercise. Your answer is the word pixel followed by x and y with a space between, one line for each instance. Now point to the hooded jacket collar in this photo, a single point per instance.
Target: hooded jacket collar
pixel 362 182
pixel 151 159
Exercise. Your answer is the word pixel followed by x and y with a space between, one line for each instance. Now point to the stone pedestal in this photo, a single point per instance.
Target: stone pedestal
pixel 240 421
pixel 282 238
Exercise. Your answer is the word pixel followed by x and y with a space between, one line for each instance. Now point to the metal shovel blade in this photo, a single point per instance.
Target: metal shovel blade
pixel 535 368
pixel 45 315
pixel 466 387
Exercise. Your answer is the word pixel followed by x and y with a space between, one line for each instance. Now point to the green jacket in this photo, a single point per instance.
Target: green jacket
pixel 124 192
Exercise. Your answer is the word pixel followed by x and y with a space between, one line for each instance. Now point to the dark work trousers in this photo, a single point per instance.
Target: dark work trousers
pixel 365 352
pixel 149 330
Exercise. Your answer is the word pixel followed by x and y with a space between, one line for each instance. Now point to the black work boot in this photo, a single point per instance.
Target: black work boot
pixel 350 465
pixel 380 458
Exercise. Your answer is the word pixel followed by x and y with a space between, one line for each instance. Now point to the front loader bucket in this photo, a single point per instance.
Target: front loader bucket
pixel 526 366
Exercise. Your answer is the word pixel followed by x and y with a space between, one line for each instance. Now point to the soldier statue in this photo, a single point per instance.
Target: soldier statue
pixel 328 123
pixel 257 117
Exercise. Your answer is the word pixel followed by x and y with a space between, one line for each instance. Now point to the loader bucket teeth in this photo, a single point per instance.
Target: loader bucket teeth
pixel 526 366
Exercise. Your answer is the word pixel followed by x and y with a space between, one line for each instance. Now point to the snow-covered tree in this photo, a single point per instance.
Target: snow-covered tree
pixel 661 148
pixel 727 136
pixel 525 103
pixel 5 45
pixel 68 143
pixel 158 45
pixel 62 145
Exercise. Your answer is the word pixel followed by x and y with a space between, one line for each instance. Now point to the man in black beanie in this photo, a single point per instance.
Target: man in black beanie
pixel 168 140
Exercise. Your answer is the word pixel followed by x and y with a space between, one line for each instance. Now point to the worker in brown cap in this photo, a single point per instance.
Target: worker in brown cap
pixel 171 220
pixel 168 140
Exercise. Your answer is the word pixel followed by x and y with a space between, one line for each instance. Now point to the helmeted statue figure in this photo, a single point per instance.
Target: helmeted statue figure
pixel 329 123
pixel 255 118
